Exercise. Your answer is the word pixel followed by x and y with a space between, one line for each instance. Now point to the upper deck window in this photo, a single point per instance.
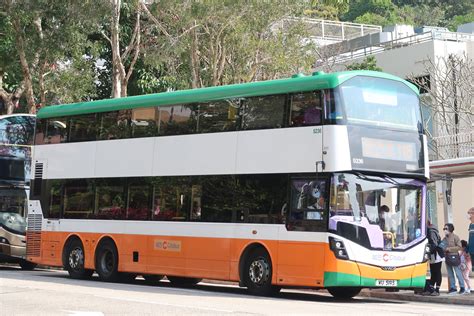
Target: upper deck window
pixel 380 102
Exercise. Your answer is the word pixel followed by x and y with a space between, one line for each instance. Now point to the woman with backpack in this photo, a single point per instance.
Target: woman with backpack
pixel 436 260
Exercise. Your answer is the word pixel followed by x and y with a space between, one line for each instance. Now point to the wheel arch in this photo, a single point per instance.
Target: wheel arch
pixel 67 241
pixel 100 241
pixel 245 253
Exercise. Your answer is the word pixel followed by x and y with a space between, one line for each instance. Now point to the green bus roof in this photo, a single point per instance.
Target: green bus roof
pixel 298 83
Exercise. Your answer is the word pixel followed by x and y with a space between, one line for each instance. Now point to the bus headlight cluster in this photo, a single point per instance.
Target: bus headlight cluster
pixel 3 241
pixel 337 246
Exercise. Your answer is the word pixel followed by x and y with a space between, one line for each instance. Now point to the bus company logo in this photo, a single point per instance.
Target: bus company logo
pixel 168 245
pixel 386 257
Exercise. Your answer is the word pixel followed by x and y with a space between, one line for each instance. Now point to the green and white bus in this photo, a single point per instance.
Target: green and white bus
pixel 312 181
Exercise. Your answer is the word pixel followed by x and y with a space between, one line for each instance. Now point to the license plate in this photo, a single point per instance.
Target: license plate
pixel 385 282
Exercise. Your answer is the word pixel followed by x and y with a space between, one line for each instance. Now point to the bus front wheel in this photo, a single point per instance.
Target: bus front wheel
pixel 344 293
pixel 74 260
pixel 106 261
pixel 257 273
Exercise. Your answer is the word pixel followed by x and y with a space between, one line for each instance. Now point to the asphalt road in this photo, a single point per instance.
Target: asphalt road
pixel 51 292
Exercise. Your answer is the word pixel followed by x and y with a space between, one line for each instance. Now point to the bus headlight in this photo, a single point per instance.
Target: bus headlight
pixel 338 248
pixel 3 240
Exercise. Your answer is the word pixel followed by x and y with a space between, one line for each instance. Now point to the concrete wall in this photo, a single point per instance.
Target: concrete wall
pixel 463 199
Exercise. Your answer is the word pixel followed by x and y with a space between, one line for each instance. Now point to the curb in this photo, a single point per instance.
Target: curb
pixel 410 296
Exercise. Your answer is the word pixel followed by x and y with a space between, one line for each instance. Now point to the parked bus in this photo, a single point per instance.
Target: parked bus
pixel 313 181
pixel 16 138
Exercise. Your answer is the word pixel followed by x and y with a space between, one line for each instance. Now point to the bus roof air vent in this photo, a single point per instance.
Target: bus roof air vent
pixel 317 73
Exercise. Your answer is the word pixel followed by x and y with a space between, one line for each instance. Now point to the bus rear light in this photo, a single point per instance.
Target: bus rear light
pixel 338 248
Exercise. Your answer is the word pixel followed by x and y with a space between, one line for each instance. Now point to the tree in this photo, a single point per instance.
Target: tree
pixel 449 83
pixel 45 37
pixel 229 42
pixel 369 63
pixel 121 54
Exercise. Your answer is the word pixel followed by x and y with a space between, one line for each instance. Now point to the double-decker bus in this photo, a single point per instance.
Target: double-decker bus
pixel 312 181
pixel 16 138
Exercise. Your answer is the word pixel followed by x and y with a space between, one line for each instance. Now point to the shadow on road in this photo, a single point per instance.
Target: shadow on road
pixel 201 289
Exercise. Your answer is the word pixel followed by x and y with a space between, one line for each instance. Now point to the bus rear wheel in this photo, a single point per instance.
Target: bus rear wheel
pixel 183 281
pixel 106 261
pixel 344 293
pixel 74 260
pixel 27 265
pixel 257 273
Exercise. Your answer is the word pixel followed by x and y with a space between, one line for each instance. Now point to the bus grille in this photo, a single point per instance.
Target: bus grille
pixel 33 235
pixel 37 181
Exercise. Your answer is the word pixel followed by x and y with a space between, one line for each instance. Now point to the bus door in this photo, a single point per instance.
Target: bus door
pixel 301 248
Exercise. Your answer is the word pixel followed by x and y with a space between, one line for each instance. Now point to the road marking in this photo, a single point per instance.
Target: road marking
pixel 82 313
pixel 167 304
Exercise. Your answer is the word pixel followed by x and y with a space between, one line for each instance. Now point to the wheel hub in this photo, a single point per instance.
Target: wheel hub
pixel 76 258
pixel 259 271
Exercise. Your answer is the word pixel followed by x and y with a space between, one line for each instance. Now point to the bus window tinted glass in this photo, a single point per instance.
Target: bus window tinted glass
pixel 115 125
pixel 55 195
pixel 78 199
pixel 177 120
pixel 110 201
pixel 263 112
pixel 138 202
pixel 306 109
pixel 56 131
pixel 308 208
pixel 381 102
pixel 218 116
pixel 143 122
pixel 17 130
pixel 82 128
pixel 261 198
pixel 172 199
pixel 217 199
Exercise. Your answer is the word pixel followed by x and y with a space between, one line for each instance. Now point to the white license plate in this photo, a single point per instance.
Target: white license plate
pixel 385 282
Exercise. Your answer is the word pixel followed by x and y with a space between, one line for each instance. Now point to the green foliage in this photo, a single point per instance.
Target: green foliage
pixel 369 63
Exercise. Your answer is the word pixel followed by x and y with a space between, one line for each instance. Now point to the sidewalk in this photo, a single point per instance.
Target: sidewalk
pixel 403 295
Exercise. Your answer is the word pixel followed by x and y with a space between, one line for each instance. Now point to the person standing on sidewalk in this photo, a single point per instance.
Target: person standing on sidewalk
pixel 453 245
pixel 470 242
pixel 466 266
pixel 436 260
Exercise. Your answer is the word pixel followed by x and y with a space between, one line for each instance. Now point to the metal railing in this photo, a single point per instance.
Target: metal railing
pixel 330 30
pixel 452 146
pixel 342 56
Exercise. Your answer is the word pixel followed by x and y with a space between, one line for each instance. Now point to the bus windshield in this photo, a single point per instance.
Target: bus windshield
pixel 377 212
pixel 380 102
pixel 12 210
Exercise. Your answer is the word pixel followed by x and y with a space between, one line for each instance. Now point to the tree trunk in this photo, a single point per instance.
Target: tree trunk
pixel 118 72
pixel 25 68
pixel 194 59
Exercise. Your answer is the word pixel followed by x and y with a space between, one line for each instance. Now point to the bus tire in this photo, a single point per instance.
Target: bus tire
pixel 27 265
pixel 183 281
pixel 344 293
pixel 106 261
pixel 257 273
pixel 152 278
pixel 74 260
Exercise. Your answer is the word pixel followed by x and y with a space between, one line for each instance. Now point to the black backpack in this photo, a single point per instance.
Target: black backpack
pixel 433 239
